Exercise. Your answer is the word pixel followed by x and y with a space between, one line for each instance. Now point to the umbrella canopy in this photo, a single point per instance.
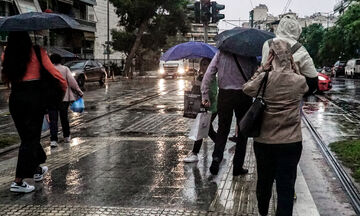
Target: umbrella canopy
pixel 34 21
pixel 189 50
pixel 243 41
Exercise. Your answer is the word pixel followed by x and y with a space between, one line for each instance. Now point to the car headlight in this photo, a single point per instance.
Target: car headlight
pixel 161 71
pixel 73 74
pixel 181 71
pixel 322 78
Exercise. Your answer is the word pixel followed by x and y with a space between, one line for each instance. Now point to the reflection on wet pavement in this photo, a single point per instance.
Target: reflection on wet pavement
pixel 133 158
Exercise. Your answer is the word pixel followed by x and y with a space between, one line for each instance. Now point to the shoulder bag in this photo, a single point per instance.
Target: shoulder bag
pixel 250 124
pixel 51 87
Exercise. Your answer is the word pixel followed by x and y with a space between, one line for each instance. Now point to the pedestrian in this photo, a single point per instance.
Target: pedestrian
pixel 279 145
pixel 289 30
pixel 204 64
pixel 21 69
pixel 230 70
pixel 63 108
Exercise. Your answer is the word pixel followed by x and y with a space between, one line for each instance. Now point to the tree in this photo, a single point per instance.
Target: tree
pixel 343 40
pixel 311 38
pixel 147 24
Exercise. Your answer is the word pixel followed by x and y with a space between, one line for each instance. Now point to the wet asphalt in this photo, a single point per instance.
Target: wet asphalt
pixel 127 150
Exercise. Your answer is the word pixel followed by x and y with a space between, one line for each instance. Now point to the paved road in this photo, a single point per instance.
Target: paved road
pixel 126 155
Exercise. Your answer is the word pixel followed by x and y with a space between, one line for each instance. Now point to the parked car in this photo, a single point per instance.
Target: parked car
pixel 338 69
pixel 87 71
pixel 352 68
pixel 324 83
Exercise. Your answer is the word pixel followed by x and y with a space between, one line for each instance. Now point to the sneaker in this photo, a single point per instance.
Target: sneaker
pixel 39 177
pixel 67 139
pixel 191 158
pixel 24 188
pixel 53 144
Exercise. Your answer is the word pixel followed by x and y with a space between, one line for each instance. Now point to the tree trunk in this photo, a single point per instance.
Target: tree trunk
pixel 134 48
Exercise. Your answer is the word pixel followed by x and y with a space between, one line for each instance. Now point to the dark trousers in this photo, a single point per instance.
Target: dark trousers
pixel 276 162
pixel 27 111
pixel 212 135
pixel 230 101
pixel 53 117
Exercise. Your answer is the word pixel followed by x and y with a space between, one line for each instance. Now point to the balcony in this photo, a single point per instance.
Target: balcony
pixel 86 25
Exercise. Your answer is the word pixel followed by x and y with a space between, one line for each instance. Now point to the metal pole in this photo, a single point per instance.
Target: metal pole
pixel 108 31
pixel 206 37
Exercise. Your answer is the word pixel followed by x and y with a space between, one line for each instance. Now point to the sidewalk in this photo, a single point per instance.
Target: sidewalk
pixel 130 163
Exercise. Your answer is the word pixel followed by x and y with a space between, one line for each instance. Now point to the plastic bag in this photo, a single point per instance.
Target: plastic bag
pixel 45 125
pixel 201 126
pixel 78 106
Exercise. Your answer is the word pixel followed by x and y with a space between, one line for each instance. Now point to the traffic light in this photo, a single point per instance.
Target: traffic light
pixel 205 11
pixel 215 12
pixel 197 13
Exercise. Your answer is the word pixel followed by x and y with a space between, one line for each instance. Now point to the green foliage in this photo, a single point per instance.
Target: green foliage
pixel 342 41
pixel 122 41
pixel 8 140
pixel 164 18
pixel 349 153
pixel 311 38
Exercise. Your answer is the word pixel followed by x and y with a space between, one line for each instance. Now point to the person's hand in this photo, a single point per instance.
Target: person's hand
pixel 206 103
pixel 47 117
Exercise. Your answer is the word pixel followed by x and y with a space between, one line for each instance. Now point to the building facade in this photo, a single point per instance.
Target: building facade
pixel 78 41
pixel 197 33
pixel 101 27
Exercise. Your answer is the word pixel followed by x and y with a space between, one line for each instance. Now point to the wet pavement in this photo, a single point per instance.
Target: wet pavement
pixel 125 158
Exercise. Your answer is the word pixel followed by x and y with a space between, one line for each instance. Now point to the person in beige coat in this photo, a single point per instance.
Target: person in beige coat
pixel 279 145
pixel 73 91
pixel 289 30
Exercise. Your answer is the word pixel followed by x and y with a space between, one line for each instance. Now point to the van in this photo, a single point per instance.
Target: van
pixel 173 68
pixel 352 68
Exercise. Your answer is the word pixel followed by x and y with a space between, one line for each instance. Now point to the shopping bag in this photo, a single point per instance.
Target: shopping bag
pixel 45 125
pixel 192 103
pixel 78 106
pixel 201 126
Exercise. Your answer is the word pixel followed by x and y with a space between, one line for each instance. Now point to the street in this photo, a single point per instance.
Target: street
pixel 126 153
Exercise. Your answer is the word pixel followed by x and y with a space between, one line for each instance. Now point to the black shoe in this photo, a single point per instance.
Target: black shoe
pixel 214 168
pixel 233 139
pixel 237 172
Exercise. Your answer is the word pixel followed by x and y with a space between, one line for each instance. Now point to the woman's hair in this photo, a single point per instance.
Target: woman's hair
pixel 55 58
pixel 204 61
pixel 17 56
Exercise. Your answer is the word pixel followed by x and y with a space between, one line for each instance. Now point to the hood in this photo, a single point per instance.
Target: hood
pixel 289 28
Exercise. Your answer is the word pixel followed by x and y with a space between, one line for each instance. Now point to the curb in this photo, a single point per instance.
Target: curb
pixel 9 148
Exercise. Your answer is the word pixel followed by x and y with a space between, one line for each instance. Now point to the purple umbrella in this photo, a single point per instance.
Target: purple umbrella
pixel 189 50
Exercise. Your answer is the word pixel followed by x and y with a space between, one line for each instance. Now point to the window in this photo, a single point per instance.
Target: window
pixel 25 6
pixel 357 62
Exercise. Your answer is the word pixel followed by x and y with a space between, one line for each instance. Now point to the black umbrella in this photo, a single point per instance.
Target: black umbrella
pixel 243 41
pixel 35 21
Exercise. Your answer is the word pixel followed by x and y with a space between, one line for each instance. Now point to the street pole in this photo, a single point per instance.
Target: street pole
pixel 108 39
pixel 206 35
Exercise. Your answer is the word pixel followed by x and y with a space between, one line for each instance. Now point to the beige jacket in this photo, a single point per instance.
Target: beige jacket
pixel 289 30
pixel 284 92
pixel 72 85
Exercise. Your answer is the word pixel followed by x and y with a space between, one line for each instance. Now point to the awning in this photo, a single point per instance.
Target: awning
pixel 71 2
pixel 89 2
pixel 62 52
